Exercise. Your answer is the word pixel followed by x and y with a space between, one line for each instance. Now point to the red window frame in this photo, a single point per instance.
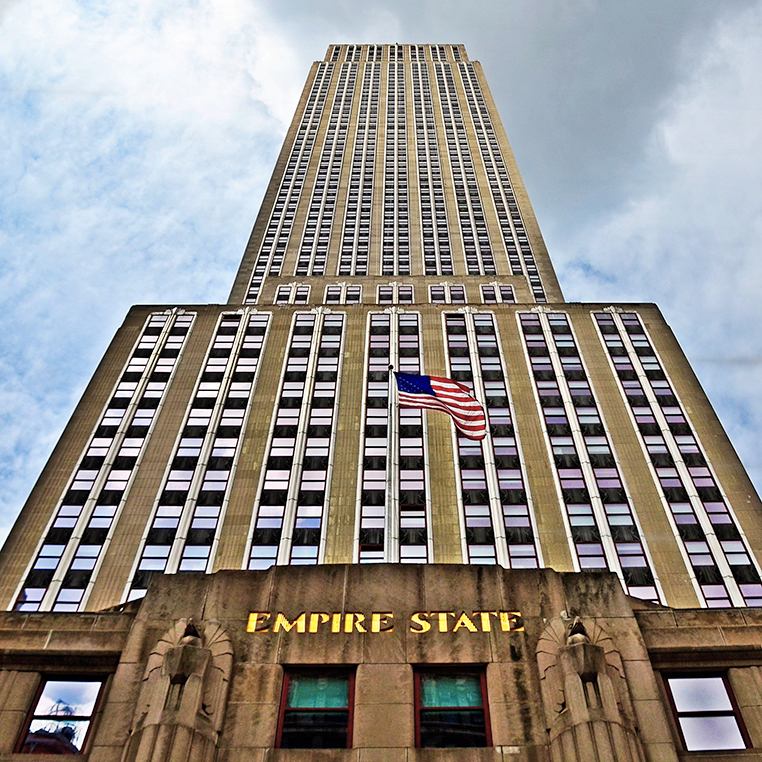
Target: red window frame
pixel 337 671
pixel 477 671
pixel 666 676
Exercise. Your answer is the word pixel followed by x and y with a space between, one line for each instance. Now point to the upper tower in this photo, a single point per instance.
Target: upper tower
pixel 396 165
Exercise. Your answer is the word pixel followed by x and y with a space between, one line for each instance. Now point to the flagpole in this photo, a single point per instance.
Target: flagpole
pixel 391 468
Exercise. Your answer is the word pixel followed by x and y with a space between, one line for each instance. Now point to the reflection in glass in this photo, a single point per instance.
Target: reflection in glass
pixel 61 718
pixel 705 713
pixel 316 715
pixel 451 711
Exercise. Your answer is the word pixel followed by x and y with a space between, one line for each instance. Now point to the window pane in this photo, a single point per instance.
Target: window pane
pixel 705 733
pixel 318 691
pixel 450 690
pixel 55 737
pixel 448 729
pixel 314 730
pixel 700 694
pixel 68 697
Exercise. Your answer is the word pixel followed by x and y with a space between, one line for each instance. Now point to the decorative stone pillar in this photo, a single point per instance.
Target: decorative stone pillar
pixel 588 710
pixel 182 701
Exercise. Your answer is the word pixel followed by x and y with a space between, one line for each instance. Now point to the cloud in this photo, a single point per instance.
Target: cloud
pixel 140 139
pixel 689 238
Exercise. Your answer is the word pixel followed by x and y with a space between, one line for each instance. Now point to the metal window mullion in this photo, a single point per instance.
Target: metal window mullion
pixel 329 144
pixel 86 514
pixel 332 448
pixel 199 473
pixel 456 454
pixel 480 127
pixel 459 156
pixel 584 458
pixel 295 477
pixel 392 517
pixel 718 554
pixel 679 457
pixel 426 467
pixel 363 424
pixel 665 503
pixel 317 86
pixel 630 502
pixel 122 502
pixel 519 451
pixel 488 450
pixel 236 457
pixel 54 514
pixel 549 445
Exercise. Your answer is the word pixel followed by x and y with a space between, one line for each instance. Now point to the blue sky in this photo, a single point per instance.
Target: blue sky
pixel 138 137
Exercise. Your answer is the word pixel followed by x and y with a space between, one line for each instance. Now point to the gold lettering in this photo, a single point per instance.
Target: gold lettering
pixel 464 621
pixel 282 621
pixel 316 619
pixel 381 621
pixel 485 615
pixel 336 623
pixel 422 624
pixel 442 616
pixel 510 621
pixel 258 622
pixel 356 620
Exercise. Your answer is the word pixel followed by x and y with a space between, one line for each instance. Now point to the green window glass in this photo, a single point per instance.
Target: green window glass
pixel 316 710
pixel 451 709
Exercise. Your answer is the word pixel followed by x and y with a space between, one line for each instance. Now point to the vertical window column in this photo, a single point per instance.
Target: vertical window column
pixel 583 522
pixel 278 233
pixel 313 250
pixel 499 526
pixel 437 250
pixel 503 197
pixel 288 520
pixel 395 246
pixel 374 439
pixel 393 501
pixel 353 258
pixel 307 537
pixel 722 564
pixel 473 226
pixel 183 529
pixel 67 562
pixel 609 498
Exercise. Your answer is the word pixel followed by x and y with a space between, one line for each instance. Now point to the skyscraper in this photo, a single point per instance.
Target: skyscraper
pixel 538 579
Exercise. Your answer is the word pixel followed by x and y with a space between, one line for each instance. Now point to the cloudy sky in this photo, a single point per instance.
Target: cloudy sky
pixel 136 139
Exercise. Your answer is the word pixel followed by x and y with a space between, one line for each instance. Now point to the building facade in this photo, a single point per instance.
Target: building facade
pixel 581 584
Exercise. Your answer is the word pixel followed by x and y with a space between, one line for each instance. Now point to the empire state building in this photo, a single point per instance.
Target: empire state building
pixel 243 545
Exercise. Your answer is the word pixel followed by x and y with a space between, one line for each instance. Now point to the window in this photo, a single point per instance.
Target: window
pixel 316 710
pixel 451 709
pixel 60 721
pixel 706 712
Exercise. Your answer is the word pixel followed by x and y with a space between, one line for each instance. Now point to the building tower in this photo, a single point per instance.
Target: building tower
pixel 580 584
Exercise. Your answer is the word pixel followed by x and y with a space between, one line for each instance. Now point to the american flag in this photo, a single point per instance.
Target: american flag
pixel 434 393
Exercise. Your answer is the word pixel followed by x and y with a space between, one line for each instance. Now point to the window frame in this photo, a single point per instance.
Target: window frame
pixel 479 671
pixel 314 670
pixel 45 678
pixel 667 675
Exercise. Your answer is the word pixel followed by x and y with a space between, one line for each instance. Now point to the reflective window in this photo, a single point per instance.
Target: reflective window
pixel 316 710
pixel 451 709
pixel 61 717
pixel 706 713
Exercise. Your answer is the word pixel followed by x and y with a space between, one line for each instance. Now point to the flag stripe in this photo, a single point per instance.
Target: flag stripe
pixel 436 393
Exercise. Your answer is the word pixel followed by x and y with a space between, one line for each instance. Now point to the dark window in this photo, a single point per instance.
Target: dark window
pixel 60 720
pixel 451 709
pixel 706 712
pixel 316 710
